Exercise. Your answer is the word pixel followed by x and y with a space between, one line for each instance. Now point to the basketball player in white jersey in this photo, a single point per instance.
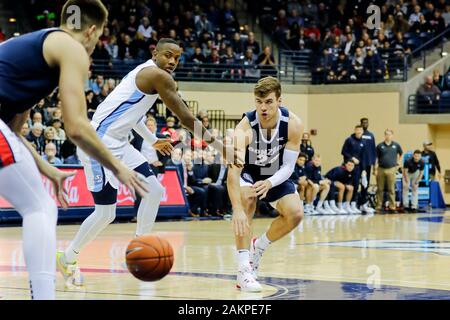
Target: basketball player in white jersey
pixel 123 110
pixel 270 138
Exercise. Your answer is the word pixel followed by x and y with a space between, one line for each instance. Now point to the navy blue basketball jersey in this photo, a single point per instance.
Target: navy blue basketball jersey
pixel 25 77
pixel 264 157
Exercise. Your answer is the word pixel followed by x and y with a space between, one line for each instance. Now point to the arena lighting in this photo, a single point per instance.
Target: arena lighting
pixel 16 34
pixel 12 20
pixel 420 69
pixel 444 54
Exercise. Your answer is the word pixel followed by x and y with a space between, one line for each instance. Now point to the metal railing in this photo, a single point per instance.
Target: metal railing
pixel 427 44
pixel 429 104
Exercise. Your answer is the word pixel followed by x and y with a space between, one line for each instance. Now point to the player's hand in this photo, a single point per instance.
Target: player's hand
pixel 58 177
pixel 133 180
pixel 164 146
pixel 262 187
pixel 240 223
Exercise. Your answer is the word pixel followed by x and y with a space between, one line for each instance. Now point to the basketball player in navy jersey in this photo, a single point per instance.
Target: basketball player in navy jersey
pixel 270 138
pixel 31 67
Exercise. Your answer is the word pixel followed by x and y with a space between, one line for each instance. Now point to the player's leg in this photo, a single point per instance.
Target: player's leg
pixel 245 278
pixel 381 180
pixel 103 188
pixel 414 190
pixel 148 208
pixel 350 189
pixel 21 185
pixel 324 188
pixel 390 180
pixel 340 197
pixel 280 226
pixel 405 193
pixel 313 191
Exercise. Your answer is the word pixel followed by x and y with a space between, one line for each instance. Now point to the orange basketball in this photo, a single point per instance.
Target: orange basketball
pixel 149 258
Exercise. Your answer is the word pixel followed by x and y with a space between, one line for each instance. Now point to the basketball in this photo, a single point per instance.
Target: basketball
pixel 149 258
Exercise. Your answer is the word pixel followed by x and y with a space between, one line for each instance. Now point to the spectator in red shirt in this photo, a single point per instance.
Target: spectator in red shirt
pixel 170 123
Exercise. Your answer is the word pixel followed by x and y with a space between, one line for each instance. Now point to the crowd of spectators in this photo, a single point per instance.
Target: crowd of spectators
pixel 214 43
pixel 433 96
pixel 344 48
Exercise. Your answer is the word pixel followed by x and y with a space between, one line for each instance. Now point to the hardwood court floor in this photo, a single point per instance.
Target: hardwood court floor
pixel 326 257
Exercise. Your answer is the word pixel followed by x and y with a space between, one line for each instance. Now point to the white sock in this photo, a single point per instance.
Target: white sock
pixel 353 204
pixel 319 204
pixel 346 205
pixel 332 203
pixel 340 205
pixel 243 258
pixel 148 208
pixel 262 242
pixel 89 230
pixel 301 202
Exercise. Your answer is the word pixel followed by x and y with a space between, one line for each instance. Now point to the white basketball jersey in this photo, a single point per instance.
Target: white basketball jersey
pixel 124 107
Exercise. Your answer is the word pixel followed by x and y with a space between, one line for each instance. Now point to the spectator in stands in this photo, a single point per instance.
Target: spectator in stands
pixel 50 154
pixel 145 29
pixel 322 67
pixel 401 25
pixel 341 68
pixel 57 113
pixel 349 44
pixel 96 86
pixel 341 178
pixel 56 124
pixel 433 161
pixel 198 56
pixel 36 137
pixel 412 174
pixel 228 18
pixel 25 131
pixel 357 69
pixel 252 44
pixel 127 50
pixel 437 22
pixel 237 43
pixel 199 201
pixel 373 67
pixel 203 25
pixel 170 128
pixel 415 16
pixel 266 62
pixel 306 146
pixel 438 79
pixel 317 184
pixel 446 15
pixel 205 122
pixel 354 148
pixel 428 93
pixel 43 110
pixel 91 103
pixel 389 154
pixel 101 53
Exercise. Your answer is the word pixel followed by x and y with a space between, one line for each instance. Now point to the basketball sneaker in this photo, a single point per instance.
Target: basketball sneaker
pixel 255 258
pixel 367 209
pixel 354 208
pixel 328 208
pixel 246 282
pixel 73 277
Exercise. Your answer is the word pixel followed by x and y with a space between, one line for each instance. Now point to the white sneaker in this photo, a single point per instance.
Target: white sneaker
pixel 322 210
pixel 354 208
pixel 367 209
pixel 314 212
pixel 246 282
pixel 73 277
pixel 327 207
pixel 255 258
pixel 335 209
pixel 342 211
pixel 307 210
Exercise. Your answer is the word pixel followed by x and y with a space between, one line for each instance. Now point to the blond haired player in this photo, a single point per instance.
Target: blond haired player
pixel 270 138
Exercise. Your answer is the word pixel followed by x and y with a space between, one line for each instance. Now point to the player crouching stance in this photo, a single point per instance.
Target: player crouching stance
pixel 270 137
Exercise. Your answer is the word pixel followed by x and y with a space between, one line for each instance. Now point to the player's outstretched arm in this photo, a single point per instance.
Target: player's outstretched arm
pixel 241 139
pixel 63 52
pixel 154 79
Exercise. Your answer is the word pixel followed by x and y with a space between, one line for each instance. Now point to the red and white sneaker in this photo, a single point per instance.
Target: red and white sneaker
pixel 246 282
pixel 255 258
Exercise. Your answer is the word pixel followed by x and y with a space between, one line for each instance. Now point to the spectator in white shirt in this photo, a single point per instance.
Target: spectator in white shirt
pixel 145 28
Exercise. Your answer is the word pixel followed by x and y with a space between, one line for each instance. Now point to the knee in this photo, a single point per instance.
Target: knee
pixel 315 187
pixel 295 218
pixel 350 188
pixel 156 190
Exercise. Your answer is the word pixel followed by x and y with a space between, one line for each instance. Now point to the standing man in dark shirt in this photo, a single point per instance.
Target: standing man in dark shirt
pixel 389 153
pixel 341 178
pixel 433 160
pixel 354 149
pixel 371 156
pixel 306 146
pixel 316 184
pixel 412 174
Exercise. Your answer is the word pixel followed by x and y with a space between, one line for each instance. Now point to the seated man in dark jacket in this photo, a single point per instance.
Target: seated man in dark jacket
pixel 373 67
pixel 341 178
pixel 298 177
pixel 316 184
